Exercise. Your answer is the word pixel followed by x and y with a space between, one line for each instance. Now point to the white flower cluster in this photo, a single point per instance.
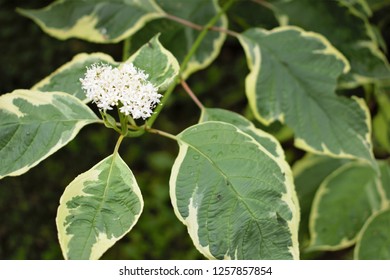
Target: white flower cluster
pixel 126 87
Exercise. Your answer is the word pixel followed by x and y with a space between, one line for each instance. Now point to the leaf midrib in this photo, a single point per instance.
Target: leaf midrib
pixel 240 198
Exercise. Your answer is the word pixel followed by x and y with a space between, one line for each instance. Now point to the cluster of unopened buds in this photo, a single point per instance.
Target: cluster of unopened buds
pixel 126 87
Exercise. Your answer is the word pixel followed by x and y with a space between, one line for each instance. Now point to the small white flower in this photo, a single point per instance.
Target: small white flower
pixel 126 87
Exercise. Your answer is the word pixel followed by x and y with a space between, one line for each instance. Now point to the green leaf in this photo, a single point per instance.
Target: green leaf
pixel 67 77
pixel 347 27
pixel 373 243
pixel 381 122
pixel 99 21
pixel 97 209
pixel 293 77
pixel 34 125
pixel 374 238
pixel 376 5
pixel 309 172
pixel 153 58
pixel 179 38
pixel 245 14
pixel 357 7
pixel 384 167
pixel 265 139
pixel 343 203
pixel 236 199
pixel 161 66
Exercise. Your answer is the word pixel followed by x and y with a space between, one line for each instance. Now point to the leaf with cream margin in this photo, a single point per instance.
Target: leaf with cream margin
pixel 373 243
pixel 98 208
pixel 293 77
pixel 198 12
pixel 34 125
pixel 346 25
pixel 161 66
pixel 99 21
pixel 381 121
pixel 342 205
pixel 153 58
pixel 263 138
pixel 67 77
pixel 309 172
pixel 384 167
pixel 236 199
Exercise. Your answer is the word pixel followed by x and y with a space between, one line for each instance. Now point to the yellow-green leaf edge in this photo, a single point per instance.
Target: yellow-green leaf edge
pixel 255 66
pixel 40 98
pixel 250 86
pixel 194 65
pixel 85 26
pixel 366 225
pixel 345 243
pixel 171 61
pixel 75 188
pixel 290 198
pixel 77 59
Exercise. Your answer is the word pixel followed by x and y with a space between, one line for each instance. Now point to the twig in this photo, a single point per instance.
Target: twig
pixel 191 94
pixel 162 133
pixel 183 66
pixel 224 30
pixel 200 27
pixel 185 22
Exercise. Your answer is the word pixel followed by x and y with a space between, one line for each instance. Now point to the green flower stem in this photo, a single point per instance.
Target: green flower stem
pixel 201 36
pixel 118 143
pixel 135 133
pixel 161 105
pixel 123 121
pixel 194 48
pixel 110 122
pixel 162 133
pixel 131 120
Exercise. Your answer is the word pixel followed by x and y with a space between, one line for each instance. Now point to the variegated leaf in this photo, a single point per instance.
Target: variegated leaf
pixel 236 199
pixel 309 172
pixel 373 243
pixel 265 139
pixel 97 209
pixel 198 12
pixel 346 25
pixel 334 226
pixel 293 77
pixel 34 125
pixel 161 66
pixel 381 121
pixel 98 21
pixel 67 77
pixel 384 167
